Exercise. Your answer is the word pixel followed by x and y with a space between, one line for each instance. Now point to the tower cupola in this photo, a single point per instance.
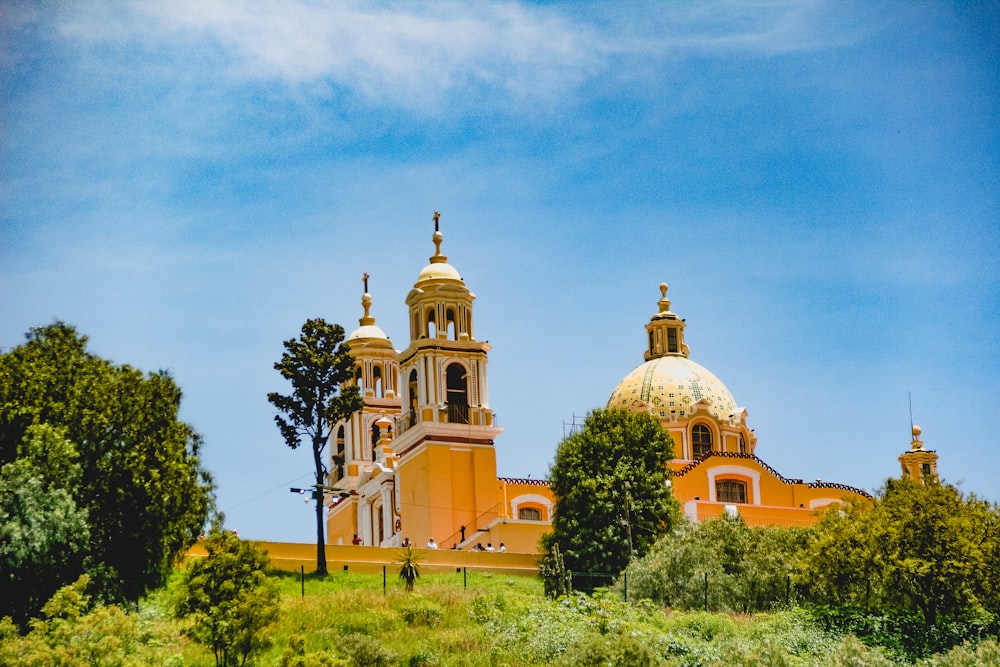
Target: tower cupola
pixel 440 303
pixel 918 463
pixel 666 331
pixel 368 330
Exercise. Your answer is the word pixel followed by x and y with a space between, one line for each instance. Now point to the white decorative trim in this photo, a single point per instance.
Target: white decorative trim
pixel 822 502
pixel 740 471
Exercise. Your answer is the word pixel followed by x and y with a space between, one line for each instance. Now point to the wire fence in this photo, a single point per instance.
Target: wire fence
pixel 387 578
pixel 704 591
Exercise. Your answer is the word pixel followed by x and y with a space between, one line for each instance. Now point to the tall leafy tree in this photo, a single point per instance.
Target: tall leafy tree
pixel 319 368
pixel 140 479
pixel 612 500
pixel 228 599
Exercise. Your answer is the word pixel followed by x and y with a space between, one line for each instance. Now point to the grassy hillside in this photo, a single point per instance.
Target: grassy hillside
pixel 347 619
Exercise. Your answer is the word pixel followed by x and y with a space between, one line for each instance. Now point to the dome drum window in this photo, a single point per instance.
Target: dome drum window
pixel 701 441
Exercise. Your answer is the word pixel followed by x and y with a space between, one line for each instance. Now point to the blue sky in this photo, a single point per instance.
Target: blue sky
pixel 818 182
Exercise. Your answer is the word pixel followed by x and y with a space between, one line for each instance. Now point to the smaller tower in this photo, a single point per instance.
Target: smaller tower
pixel 666 331
pixel 918 463
pixel 354 441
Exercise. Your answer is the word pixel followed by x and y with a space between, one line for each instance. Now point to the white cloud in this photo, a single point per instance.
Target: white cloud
pixel 425 55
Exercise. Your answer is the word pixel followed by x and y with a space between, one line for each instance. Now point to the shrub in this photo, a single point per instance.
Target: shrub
pixel 365 651
pixel 966 655
pixel 623 650
pixel 420 611
pixel 295 655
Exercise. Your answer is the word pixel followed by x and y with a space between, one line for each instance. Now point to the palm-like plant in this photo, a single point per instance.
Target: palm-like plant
pixel 409 568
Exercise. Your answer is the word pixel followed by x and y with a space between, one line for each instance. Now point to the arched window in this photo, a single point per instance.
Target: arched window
pixel 412 390
pixel 431 324
pixel 377 380
pixel 529 514
pixel 743 444
pixel 730 491
pixel 458 395
pixel 338 456
pixel 359 379
pixel 701 440
pixel 652 350
pixel 450 325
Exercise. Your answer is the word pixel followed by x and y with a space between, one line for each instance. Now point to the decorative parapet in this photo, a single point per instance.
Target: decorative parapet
pixel 526 481
pixel 818 484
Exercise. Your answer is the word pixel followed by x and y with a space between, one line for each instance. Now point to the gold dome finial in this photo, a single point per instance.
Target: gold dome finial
pixel 366 303
pixel 664 302
pixel 438 258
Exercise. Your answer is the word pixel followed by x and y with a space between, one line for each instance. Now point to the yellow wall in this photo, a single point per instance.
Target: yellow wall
pixel 342 523
pixel 446 486
pixel 292 557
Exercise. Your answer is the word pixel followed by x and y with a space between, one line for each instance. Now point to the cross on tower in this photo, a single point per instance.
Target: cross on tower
pixel 437 216
pixel 364 279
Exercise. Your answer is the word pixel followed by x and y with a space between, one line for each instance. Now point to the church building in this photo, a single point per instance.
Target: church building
pixel 419 461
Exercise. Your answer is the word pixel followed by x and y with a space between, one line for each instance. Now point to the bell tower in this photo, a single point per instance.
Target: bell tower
pixel 443 370
pixel 358 445
pixel 444 436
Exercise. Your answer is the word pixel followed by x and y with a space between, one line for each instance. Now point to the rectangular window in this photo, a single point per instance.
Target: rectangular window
pixel 671 340
pixel 529 514
pixel 730 491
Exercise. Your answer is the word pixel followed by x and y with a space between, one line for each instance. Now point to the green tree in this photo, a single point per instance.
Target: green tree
pixel 319 369
pixel 922 554
pixel 228 599
pixel 747 568
pixel 612 499
pixel 139 480
pixel 43 533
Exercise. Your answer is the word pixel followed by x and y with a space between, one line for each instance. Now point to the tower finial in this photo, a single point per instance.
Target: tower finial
pixel 438 258
pixel 366 303
pixel 664 302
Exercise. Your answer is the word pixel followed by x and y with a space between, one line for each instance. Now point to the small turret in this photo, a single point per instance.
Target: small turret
pixel 918 463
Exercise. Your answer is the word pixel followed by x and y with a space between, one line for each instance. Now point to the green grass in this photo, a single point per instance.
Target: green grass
pixel 348 619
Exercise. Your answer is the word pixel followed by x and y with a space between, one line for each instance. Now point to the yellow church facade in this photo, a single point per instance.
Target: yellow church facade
pixel 418 462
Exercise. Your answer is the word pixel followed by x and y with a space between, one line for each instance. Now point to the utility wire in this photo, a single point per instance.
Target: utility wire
pixel 265 493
